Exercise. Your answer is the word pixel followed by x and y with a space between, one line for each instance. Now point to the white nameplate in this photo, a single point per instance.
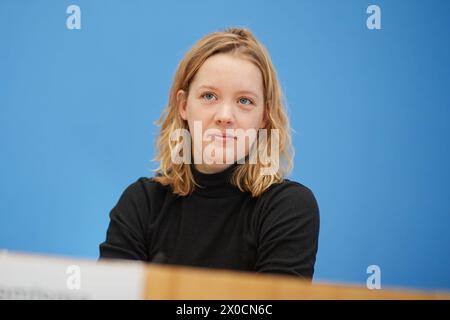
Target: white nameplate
pixel 37 277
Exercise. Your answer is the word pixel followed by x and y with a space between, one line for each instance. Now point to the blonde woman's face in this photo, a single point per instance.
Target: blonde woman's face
pixel 226 94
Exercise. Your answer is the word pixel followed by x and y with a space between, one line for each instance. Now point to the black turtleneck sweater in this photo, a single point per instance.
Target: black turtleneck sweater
pixel 217 226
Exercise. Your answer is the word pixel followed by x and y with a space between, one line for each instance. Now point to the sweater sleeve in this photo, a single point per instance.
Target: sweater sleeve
pixel 288 232
pixel 125 238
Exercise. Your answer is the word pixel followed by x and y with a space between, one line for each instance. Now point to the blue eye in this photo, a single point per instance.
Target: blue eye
pixel 208 96
pixel 245 101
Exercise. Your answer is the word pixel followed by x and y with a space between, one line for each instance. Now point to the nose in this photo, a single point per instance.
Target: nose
pixel 224 115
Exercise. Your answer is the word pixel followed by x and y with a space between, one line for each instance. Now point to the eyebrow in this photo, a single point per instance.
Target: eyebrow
pixel 216 89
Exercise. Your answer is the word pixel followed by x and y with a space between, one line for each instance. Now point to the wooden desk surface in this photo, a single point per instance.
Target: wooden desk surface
pixel 170 282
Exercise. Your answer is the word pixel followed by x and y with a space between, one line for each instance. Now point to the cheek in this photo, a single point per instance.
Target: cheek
pixel 261 115
pixel 253 121
pixel 195 111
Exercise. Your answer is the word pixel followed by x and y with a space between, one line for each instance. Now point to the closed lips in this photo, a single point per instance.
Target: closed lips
pixel 222 136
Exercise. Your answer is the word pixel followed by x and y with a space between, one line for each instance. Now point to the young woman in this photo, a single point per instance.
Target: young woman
pixel 219 198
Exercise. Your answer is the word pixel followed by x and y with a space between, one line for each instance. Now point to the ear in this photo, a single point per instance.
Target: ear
pixel 181 103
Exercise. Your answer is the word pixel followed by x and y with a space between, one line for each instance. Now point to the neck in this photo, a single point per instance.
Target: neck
pixel 213 168
pixel 217 184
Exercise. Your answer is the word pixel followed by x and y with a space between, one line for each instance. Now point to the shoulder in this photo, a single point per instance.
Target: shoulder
pixel 288 203
pixel 290 193
pixel 142 194
pixel 144 186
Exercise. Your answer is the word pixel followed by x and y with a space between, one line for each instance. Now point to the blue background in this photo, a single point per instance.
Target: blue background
pixel 370 108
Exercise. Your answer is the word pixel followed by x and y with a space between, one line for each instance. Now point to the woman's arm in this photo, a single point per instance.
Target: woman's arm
pixel 125 238
pixel 288 232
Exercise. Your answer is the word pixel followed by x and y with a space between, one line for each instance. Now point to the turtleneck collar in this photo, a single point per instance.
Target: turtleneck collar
pixel 215 184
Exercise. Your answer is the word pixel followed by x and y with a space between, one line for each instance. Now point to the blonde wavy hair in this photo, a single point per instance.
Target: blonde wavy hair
pixel 247 176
